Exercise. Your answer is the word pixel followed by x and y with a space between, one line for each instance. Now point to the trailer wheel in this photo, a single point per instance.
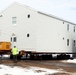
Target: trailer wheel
pixel 19 57
pixel 68 57
pixel 11 56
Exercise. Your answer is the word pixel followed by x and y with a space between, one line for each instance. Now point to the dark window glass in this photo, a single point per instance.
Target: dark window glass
pixel 74 42
pixel 0 15
pixel 28 35
pixel 74 29
pixel 28 15
pixel 67 27
pixel 63 38
pixel 11 39
pixel 15 39
pixel 67 42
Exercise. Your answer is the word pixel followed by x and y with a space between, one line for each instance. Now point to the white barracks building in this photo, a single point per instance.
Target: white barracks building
pixel 32 30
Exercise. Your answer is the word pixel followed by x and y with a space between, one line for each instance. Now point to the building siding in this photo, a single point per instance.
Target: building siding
pixel 46 33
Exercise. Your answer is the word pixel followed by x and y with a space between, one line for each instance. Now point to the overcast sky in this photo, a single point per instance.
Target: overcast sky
pixel 65 9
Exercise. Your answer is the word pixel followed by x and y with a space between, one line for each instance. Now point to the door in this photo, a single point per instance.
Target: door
pixel 13 41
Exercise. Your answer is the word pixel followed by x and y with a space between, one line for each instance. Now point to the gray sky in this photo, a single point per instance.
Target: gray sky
pixel 65 9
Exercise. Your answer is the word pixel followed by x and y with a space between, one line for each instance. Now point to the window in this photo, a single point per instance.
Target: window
pixel 74 43
pixel 67 42
pixel 67 27
pixel 0 15
pixel 28 15
pixel 63 38
pixel 28 35
pixel 15 39
pixel 11 39
pixel 14 20
pixel 74 29
pixel 63 22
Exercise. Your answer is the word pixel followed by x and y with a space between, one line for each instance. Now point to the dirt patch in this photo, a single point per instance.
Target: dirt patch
pixel 59 74
pixel 28 63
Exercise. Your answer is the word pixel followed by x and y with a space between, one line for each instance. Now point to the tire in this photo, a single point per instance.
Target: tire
pixel 19 57
pixel 11 56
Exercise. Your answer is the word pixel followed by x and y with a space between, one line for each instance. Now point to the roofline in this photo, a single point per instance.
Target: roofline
pixel 17 4
pixel 49 15
pixel 6 8
pixel 21 4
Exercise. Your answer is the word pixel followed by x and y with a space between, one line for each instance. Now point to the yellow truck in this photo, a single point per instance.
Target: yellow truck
pixel 5 47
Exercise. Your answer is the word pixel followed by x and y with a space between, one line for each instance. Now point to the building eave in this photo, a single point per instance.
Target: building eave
pixel 49 15
pixel 43 13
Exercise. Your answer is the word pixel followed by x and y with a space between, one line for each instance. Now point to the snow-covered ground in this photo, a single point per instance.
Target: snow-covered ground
pixel 69 61
pixel 15 70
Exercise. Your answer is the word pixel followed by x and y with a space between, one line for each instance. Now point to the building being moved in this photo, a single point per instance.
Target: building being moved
pixel 36 31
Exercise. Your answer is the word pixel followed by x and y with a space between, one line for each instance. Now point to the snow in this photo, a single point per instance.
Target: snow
pixel 15 70
pixel 70 61
pixel 6 55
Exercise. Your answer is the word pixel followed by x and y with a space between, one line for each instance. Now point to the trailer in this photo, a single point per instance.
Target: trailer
pixel 5 48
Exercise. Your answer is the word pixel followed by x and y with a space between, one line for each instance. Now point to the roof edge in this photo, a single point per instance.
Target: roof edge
pixel 17 4
pixel 40 12
pixel 53 16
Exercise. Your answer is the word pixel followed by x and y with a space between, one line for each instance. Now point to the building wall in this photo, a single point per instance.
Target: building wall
pixel 52 35
pixel 23 27
pixel 46 34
